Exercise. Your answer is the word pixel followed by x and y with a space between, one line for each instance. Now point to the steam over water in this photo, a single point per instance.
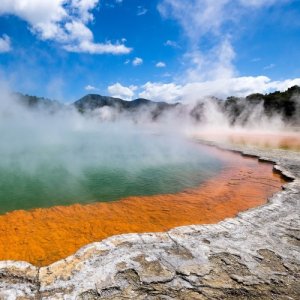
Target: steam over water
pixel 58 157
pixel 64 158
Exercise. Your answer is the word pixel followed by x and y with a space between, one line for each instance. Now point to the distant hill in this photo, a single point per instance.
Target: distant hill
pixel 238 110
pixel 285 104
pixel 94 101
pixel 38 102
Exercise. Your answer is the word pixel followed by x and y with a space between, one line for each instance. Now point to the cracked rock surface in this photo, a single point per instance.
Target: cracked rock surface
pixel 252 256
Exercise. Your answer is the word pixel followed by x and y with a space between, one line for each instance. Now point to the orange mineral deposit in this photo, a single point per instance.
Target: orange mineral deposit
pixel 42 236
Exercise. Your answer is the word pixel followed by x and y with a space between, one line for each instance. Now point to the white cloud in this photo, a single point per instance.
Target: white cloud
pixel 171 44
pixel 92 48
pixel 62 21
pixel 216 64
pixel 196 17
pixel 5 45
pixel 90 88
pixel 83 8
pixel 261 3
pixel 34 11
pixel 200 17
pixel 76 30
pixel 237 86
pixel 284 84
pixel 169 92
pixel 141 11
pixel 137 61
pixel 215 20
pixel 119 91
pixel 160 64
pixel 270 66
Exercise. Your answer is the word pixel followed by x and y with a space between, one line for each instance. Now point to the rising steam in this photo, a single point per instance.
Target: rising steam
pixel 58 156
pixel 73 152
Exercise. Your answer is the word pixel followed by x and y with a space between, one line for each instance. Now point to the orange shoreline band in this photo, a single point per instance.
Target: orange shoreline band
pixel 42 236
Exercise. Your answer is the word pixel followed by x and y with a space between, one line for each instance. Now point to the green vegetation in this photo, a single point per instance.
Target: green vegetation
pixel 285 104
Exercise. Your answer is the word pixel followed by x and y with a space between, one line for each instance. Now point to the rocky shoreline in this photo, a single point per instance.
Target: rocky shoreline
pixel 255 255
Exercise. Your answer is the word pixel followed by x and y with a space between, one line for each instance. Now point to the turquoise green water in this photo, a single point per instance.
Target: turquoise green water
pixel 102 165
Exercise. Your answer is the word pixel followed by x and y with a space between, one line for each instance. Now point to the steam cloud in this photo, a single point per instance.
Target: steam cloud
pixel 45 140
pixel 61 148
pixel 56 124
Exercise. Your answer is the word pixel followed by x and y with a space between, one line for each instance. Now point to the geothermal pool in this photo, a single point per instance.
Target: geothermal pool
pixel 69 181
pixel 96 167
pixel 43 235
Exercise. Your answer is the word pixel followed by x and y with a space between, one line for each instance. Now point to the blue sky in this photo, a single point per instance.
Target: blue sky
pixel 168 50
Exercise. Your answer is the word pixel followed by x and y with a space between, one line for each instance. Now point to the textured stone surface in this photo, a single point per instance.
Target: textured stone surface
pixel 253 256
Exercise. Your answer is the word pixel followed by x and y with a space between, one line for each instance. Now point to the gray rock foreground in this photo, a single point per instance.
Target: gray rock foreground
pixel 252 256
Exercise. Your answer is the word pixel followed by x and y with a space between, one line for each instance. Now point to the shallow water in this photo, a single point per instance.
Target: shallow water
pixel 42 236
pixel 99 165
pixel 64 170
pixel 286 140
